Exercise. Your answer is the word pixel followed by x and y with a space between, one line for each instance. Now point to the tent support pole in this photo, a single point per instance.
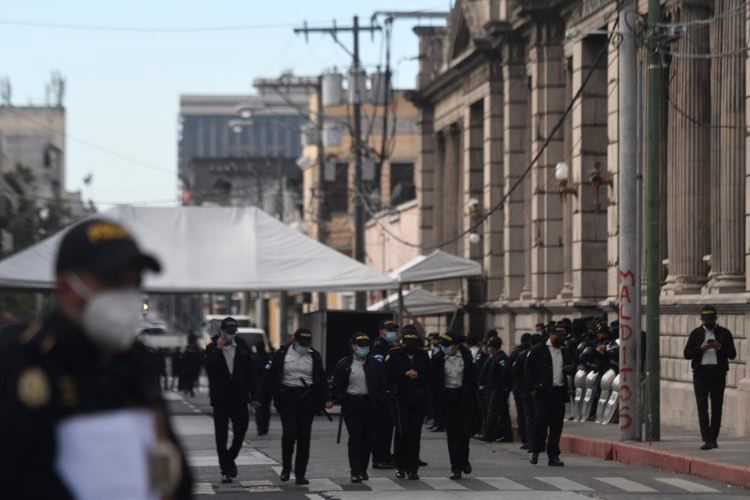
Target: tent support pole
pixel 400 305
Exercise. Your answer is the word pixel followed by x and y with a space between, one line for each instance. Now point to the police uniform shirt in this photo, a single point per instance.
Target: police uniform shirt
pixel 454 371
pixel 557 364
pixel 709 355
pixel 297 366
pixel 357 381
pixel 229 351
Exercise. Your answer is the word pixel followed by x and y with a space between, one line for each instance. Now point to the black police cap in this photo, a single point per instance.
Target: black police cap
pixel 360 339
pixel 229 323
pixel 101 247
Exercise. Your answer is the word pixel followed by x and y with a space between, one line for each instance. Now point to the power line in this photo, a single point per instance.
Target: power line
pixel 143 29
pixel 519 180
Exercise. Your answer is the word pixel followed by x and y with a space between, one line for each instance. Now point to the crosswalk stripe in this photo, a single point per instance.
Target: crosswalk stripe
pixel 203 489
pixel 503 483
pixel 626 484
pixel 442 483
pixel 383 484
pixel 686 485
pixel 564 484
pixel 322 485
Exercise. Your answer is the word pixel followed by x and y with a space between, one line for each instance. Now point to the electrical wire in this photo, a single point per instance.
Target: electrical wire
pixel 143 29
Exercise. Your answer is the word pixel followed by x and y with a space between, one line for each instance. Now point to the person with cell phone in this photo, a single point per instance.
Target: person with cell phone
pixel 709 349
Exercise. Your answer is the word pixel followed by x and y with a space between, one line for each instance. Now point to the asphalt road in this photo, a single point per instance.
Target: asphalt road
pixel 501 471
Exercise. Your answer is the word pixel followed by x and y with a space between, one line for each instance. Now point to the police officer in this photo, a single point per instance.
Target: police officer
pixel 709 347
pixel 355 387
pixel 80 372
pixel 500 427
pixel 454 379
pixel 407 369
pixel 382 435
pixel 295 379
pixel 513 379
pixel 231 383
pixel 544 371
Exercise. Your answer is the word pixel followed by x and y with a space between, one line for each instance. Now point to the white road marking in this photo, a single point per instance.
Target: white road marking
pixel 322 485
pixel 442 483
pixel 686 485
pixel 383 484
pixel 564 484
pixel 626 484
pixel 503 483
pixel 203 489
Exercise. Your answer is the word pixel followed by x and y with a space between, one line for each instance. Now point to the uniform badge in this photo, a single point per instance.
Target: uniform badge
pixel 33 387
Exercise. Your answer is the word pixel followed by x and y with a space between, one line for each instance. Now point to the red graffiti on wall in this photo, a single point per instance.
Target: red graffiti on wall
pixel 627 279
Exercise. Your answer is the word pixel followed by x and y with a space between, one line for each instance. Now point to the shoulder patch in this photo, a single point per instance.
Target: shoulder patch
pixel 268 365
pixel 379 357
pixel 34 388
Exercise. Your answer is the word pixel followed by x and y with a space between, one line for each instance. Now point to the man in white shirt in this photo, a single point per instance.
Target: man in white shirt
pixel 544 372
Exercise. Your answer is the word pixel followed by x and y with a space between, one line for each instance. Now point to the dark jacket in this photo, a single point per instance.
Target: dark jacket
pixel 273 374
pixel 373 371
pixel 397 363
pixel 230 389
pixel 468 384
pixel 698 336
pixel 538 368
pixel 497 365
pixel 65 377
pixel 513 371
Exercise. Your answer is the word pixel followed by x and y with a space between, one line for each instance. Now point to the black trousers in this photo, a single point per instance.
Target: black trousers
pixel 382 434
pixel 709 382
pixel 297 408
pixel 520 416
pixel 530 419
pixel 500 400
pixel 408 415
pixel 457 429
pixel 262 419
pixel 358 418
pixel 239 415
pixel 549 413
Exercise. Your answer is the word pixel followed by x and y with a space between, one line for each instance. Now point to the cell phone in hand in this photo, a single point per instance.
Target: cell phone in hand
pixel 711 341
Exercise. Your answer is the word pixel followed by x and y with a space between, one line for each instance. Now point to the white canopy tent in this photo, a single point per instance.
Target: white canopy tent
pixel 213 249
pixel 418 302
pixel 435 266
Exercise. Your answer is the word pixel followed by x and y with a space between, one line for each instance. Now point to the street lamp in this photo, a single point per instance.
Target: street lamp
pixel 562 171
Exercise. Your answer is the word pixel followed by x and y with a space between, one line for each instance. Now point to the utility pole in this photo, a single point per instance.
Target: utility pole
pixel 358 215
pixel 629 272
pixel 653 252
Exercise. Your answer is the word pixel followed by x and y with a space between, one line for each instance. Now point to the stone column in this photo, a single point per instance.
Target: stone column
pixel 613 154
pixel 424 176
pixel 472 175
pixel 547 104
pixel 515 160
pixel 494 244
pixel 688 155
pixel 727 260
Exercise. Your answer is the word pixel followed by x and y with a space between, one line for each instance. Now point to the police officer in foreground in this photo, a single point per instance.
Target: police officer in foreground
pixel 356 382
pixel 295 379
pixel 544 371
pixel 407 370
pixel 454 380
pixel 709 347
pixel 76 389
pixel 383 430
pixel 231 383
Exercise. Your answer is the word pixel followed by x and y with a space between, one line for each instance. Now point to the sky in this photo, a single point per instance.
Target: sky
pixel 123 86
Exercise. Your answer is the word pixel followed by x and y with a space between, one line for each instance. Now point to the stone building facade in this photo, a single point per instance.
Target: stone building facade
pixel 493 87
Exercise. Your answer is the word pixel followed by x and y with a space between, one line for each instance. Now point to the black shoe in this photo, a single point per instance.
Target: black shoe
pixel 524 446
pixel 555 462
pixel 534 458
pixel 383 465
pixel 232 469
pixel 466 468
pixel 413 476
pixel 707 446
pixel 301 481
pixel 364 476
pixel 455 476
pixel 226 479
pixel 356 478
pixel 714 444
pixel 422 463
pixel 504 440
pixel 284 476
pixel 400 474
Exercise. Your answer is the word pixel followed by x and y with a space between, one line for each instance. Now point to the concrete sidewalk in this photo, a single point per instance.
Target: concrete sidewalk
pixel 678 451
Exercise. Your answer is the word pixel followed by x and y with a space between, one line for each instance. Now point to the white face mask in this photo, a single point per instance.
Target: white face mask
pixel 110 317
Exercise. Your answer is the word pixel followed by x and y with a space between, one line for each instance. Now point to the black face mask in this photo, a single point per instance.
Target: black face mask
pixel 557 343
pixel 710 324
pixel 410 348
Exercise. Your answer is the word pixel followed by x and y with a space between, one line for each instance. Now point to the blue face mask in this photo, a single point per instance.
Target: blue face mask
pixel 301 350
pixel 391 337
pixel 447 349
pixel 231 336
pixel 362 352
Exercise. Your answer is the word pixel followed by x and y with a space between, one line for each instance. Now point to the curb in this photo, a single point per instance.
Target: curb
pixel 662 459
